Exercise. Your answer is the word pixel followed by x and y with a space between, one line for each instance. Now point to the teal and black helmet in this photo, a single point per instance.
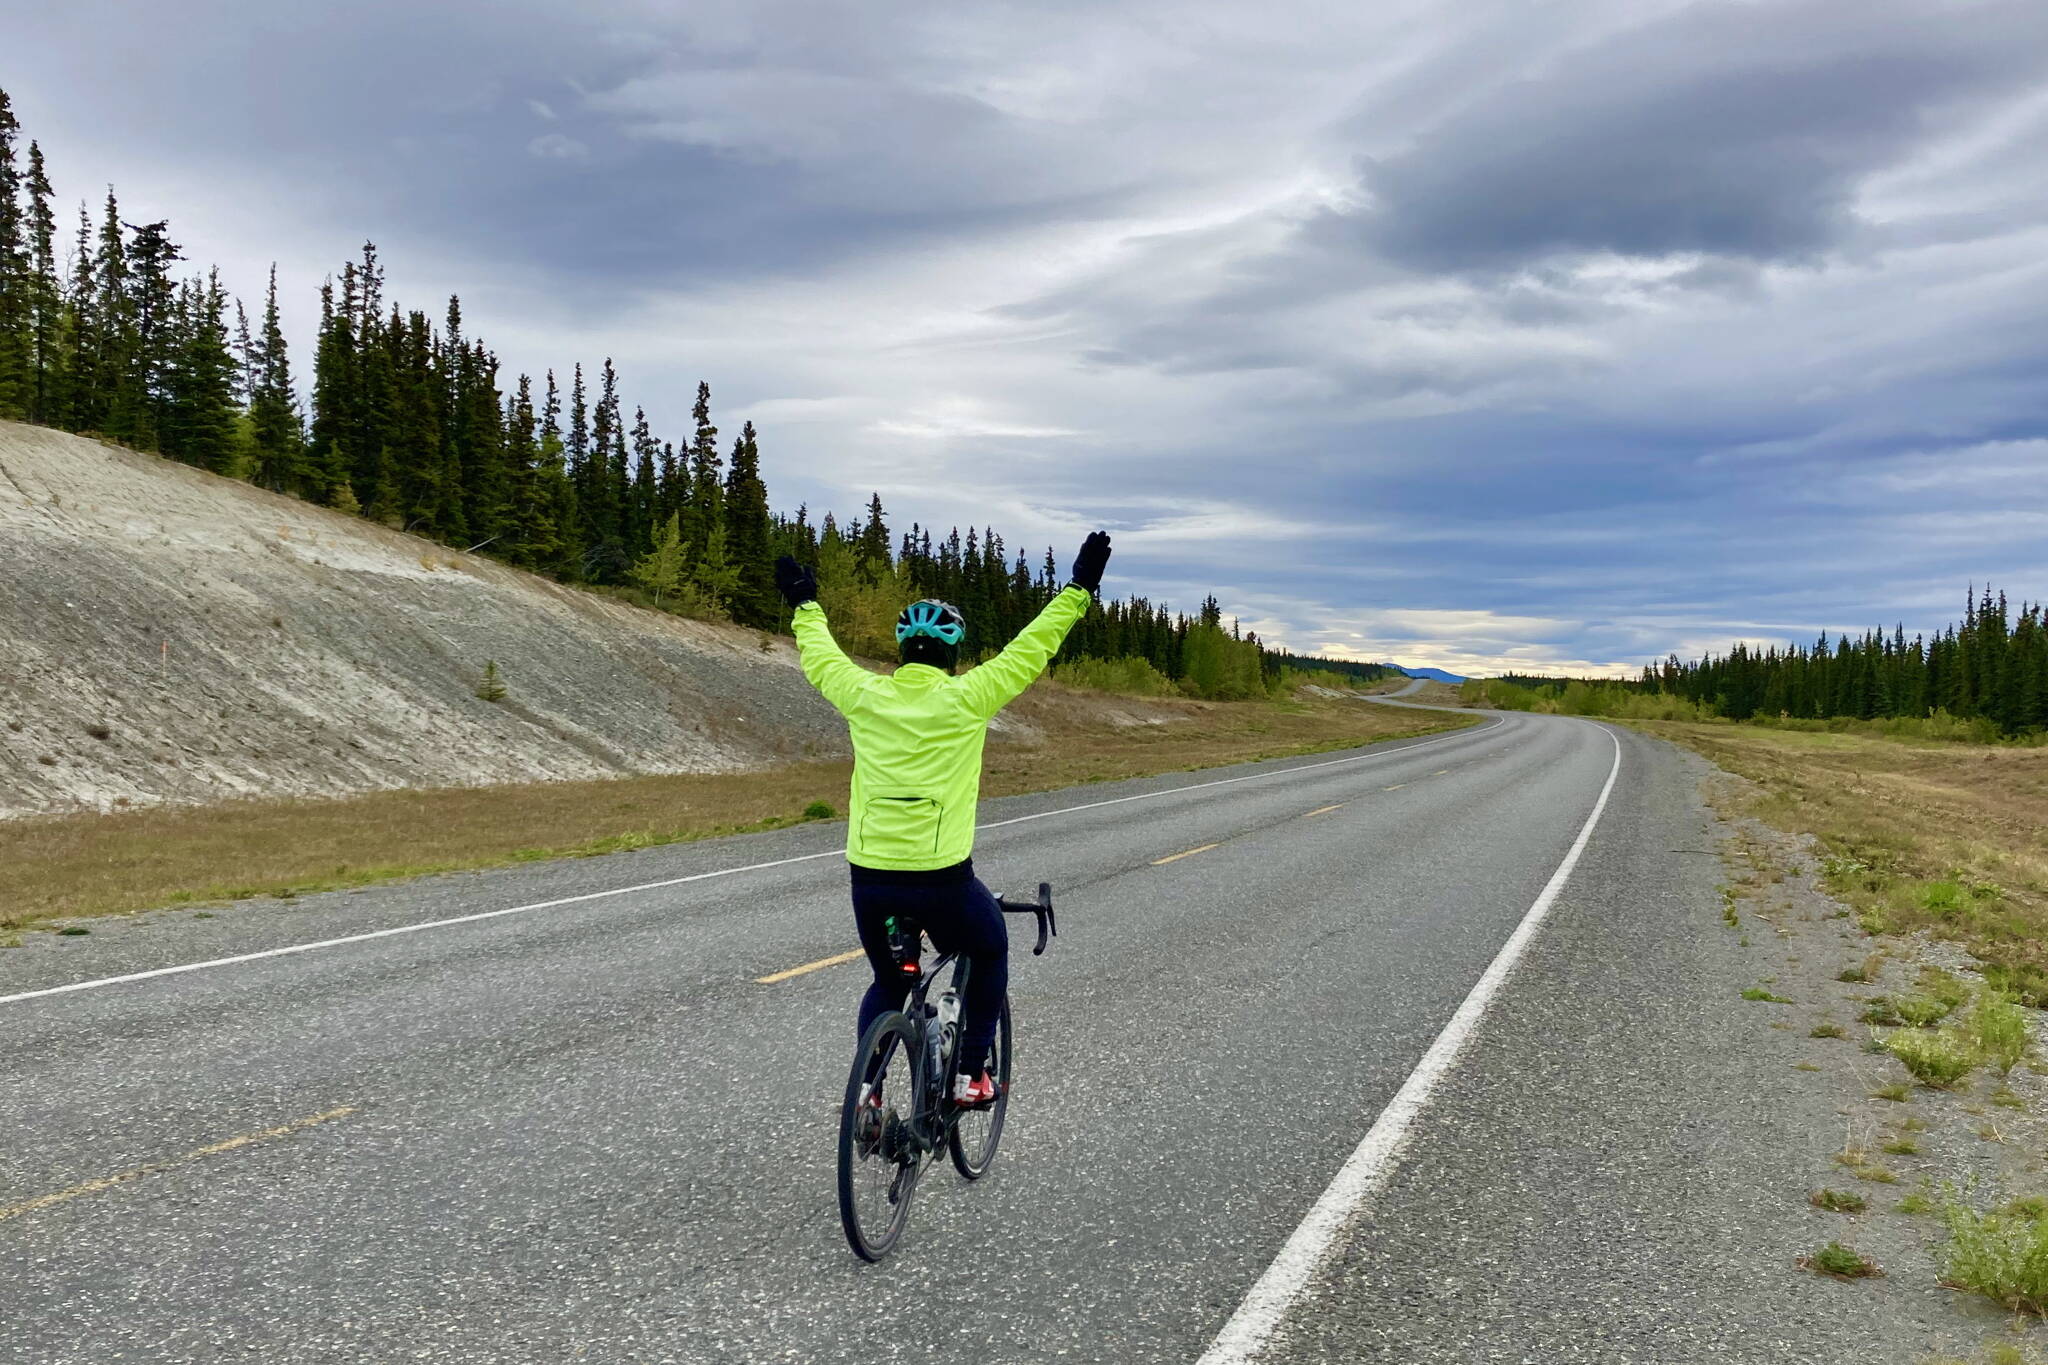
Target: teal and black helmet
pixel 929 632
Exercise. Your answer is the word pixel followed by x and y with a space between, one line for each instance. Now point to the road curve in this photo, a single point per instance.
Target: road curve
pixel 589 1131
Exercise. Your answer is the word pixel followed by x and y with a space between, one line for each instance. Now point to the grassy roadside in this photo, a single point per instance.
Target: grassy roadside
pixel 78 865
pixel 1950 838
pixel 1894 952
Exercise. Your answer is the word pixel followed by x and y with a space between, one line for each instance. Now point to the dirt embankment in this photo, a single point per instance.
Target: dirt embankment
pixel 171 636
pixel 167 635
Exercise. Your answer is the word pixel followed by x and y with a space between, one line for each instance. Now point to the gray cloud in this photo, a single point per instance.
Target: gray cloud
pixel 1493 332
pixel 1737 130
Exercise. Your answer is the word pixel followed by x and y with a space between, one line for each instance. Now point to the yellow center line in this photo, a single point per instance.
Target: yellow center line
pixel 1189 853
pixel 1396 787
pixel 1439 772
pixel 151 1168
pixel 1327 809
pixel 817 966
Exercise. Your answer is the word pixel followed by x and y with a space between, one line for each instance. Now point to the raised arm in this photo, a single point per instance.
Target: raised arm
pixel 839 678
pixel 825 663
pixel 993 685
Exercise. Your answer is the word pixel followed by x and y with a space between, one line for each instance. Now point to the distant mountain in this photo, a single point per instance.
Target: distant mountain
pixel 1435 674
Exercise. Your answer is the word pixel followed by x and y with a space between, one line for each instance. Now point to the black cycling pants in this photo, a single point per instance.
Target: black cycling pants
pixel 961 916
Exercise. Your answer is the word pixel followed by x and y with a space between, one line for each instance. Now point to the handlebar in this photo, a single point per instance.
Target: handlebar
pixel 1042 908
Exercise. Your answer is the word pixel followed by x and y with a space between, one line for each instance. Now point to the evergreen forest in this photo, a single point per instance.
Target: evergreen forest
pixel 1982 678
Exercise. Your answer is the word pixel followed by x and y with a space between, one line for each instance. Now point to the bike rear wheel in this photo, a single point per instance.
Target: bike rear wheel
pixel 975 1133
pixel 879 1161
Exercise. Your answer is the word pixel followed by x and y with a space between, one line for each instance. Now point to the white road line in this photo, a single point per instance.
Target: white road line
pixel 679 881
pixel 1366 1171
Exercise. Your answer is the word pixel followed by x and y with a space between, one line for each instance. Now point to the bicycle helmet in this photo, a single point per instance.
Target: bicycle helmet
pixel 929 632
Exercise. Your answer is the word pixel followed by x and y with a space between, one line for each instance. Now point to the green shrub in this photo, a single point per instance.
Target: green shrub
pixel 1940 1059
pixel 1128 677
pixel 819 810
pixel 1909 1011
pixel 1997 1030
pixel 2025 982
pixel 1945 986
pixel 1499 695
pixel 2003 1256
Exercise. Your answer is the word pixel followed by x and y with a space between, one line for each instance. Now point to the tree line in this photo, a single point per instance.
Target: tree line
pixel 407 421
pixel 1990 666
pixel 1981 678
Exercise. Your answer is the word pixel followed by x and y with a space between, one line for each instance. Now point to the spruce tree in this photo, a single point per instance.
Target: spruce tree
pixel 755 601
pixel 115 360
pixel 276 432
pixel 702 510
pixel 333 363
pixel 46 296
pixel 452 362
pixel 16 276
pixel 425 499
pixel 142 392
pixel 245 358
pixel 597 492
pixel 376 449
pixel 81 400
pixel 197 421
pixel 645 492
pixel 566 560
pixel 873 549
pixel 486 485
pixel 530 535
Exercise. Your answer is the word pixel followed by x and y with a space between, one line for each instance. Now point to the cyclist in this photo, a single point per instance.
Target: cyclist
pixel 917 738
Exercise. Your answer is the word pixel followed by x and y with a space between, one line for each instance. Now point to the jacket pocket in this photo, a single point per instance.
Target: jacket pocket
pixel 900 826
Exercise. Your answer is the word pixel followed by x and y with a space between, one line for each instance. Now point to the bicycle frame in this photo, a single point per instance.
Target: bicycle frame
pixel 934 1116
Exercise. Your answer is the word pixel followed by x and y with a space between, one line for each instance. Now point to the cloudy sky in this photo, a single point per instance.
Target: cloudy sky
pixel 1537 334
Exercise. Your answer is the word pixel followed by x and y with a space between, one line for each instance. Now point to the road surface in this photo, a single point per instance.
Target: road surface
pixel 587 1130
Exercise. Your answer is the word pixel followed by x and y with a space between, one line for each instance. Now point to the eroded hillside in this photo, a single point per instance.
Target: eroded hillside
pixel 170 635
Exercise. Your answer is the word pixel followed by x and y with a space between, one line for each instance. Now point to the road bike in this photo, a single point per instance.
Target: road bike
pixel 899 1110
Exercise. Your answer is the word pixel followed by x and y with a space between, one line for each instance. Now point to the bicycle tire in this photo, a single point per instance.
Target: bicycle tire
pixel 971 1141
pixel 889 1051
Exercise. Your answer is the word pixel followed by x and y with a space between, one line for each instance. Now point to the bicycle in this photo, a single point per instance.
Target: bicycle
pixel 899 1109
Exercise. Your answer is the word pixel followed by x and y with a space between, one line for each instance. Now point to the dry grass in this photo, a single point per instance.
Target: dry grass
pixel 129 860
pixel 1946 837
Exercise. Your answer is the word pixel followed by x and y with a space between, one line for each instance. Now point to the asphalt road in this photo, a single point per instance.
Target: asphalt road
pixel 588 1132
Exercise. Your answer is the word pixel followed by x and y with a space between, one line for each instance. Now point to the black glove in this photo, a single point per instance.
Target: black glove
pixel 1089 563
pixel 796 583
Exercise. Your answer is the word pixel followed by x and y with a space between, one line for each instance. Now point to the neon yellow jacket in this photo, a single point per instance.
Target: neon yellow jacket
pixel 917 736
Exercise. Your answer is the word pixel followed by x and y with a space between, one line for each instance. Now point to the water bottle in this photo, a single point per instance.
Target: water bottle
pixel 935 1052
pixel 949 1022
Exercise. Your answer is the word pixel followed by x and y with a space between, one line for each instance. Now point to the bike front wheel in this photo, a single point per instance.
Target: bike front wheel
pixel 972 1141
pixel 879 1157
